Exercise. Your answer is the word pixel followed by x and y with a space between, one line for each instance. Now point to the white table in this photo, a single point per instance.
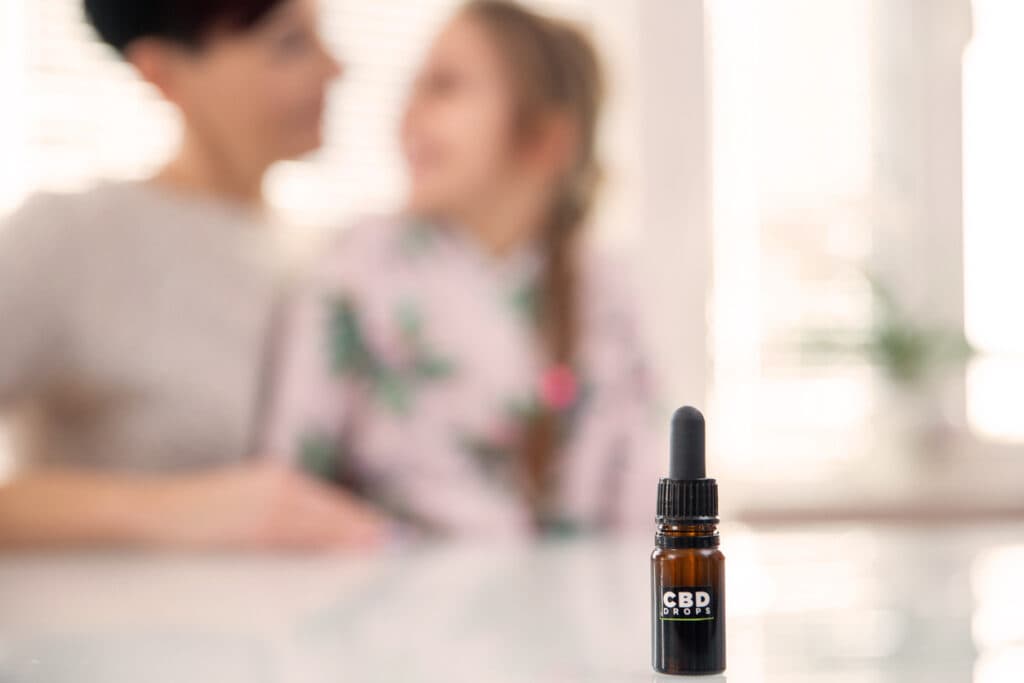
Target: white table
pixel 824 604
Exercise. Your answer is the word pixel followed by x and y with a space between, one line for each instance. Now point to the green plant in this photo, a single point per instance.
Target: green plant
pixel 906 351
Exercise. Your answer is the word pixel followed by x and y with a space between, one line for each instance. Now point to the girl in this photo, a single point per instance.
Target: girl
pixel 134 314
pixel 469 365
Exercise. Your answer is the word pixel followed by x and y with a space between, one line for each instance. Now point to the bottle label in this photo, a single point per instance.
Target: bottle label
pixel 689 630
pixel 687 604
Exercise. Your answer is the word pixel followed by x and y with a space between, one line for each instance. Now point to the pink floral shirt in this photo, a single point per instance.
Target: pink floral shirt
pixel 409 366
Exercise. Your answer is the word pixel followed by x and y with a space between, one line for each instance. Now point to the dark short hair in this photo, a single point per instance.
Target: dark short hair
pixel 188 22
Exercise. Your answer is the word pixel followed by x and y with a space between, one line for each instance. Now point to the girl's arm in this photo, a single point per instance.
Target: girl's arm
pixel 310 405
pixel 628 408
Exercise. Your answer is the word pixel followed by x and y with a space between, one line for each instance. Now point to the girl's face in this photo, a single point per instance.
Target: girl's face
pixel 457 133
pixel 258 95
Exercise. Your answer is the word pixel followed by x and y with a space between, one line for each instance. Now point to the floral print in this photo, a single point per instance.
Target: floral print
pixel 410 372
pixel 394 375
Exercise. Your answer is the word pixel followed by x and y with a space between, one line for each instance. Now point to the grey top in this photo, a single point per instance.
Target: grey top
pixel 133 325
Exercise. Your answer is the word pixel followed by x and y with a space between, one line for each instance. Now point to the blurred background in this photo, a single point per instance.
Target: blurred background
pixel 820 202
pixel 819 198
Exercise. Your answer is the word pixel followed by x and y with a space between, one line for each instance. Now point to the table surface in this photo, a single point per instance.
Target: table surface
pixel 824 604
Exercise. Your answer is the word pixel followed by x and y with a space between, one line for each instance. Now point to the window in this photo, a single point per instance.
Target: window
pixel 792 173
pixel 994 219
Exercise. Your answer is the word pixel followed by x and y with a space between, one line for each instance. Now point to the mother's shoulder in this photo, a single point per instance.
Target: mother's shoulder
pixel 48 214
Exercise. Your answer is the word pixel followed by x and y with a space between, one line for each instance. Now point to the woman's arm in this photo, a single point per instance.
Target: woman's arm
pixel 252 506
pixel 32 279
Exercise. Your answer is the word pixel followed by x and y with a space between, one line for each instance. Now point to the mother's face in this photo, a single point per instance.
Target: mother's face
pixel 257 95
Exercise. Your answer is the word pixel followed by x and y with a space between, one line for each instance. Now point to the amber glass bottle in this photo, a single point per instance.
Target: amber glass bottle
pixel 687 568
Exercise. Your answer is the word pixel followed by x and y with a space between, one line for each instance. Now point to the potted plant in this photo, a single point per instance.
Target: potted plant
pixel 914 360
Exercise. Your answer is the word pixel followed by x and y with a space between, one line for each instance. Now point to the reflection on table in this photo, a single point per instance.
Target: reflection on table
pixel 824 604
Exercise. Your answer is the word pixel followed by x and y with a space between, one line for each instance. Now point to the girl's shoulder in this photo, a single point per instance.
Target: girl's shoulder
pixel 363 251
pixel 370 236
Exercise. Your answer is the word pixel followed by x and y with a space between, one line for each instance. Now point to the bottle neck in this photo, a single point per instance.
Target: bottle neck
pixel 686 534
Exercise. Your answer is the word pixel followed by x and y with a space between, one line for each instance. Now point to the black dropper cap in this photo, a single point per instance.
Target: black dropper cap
pixel 687 496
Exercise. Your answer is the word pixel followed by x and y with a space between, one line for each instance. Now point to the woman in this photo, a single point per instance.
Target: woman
pixel 135 314
pixel 470 365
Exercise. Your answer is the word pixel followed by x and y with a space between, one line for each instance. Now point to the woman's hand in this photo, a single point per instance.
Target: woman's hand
pixel 266 506
pixel 258 506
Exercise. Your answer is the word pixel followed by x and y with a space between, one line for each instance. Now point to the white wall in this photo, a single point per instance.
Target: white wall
pixel 12 129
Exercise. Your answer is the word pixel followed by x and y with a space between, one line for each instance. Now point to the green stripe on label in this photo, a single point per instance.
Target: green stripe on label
pixel 687 619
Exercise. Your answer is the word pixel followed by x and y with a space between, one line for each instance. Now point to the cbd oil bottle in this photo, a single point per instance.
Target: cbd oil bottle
pixel 687 568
